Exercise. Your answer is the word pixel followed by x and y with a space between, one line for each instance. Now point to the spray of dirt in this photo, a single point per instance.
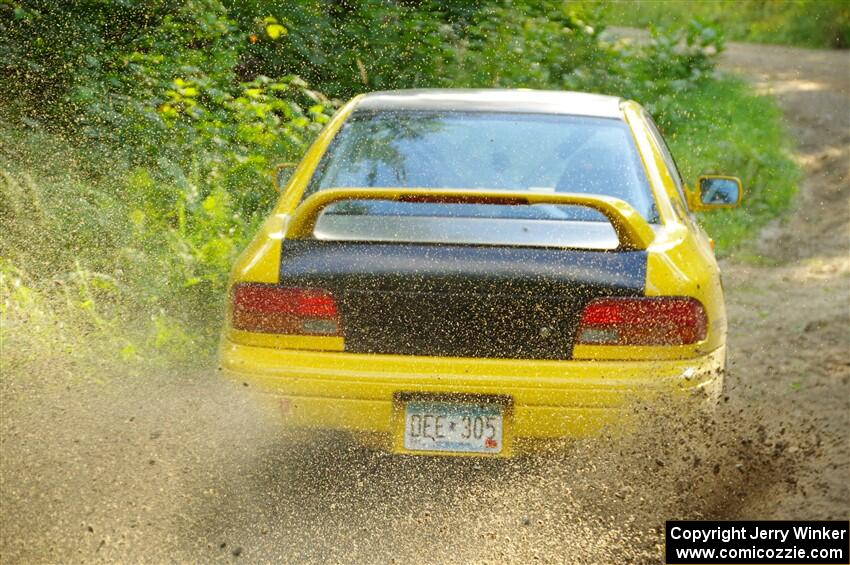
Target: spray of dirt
pixel 317 497
pixel 188 467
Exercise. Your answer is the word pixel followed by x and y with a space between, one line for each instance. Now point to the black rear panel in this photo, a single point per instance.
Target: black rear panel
pixel 460 301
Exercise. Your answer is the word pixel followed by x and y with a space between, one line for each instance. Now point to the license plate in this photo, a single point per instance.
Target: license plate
pixel 450 426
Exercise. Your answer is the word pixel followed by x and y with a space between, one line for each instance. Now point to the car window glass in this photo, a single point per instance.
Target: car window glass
pixel 533 152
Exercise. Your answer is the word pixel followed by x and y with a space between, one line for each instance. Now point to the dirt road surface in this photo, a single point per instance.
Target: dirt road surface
pixel 180 466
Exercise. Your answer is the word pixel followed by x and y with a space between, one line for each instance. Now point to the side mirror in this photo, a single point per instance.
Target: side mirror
pixel 714 191
pixel 282 174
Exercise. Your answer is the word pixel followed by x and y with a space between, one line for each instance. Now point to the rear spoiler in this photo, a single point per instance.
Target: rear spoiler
pixel 632 230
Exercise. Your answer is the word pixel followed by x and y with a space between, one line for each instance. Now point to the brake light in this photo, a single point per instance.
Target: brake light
pixel 642 321
pixel 274 309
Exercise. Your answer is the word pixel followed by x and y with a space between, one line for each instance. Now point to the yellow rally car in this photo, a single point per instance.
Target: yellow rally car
pixel 464 271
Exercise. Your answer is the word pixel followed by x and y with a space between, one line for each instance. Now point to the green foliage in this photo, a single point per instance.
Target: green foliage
pixel 530 44
pixel 345 48
pixel 733 131
pixel 805 23
pixel 51 212
pixel 168 106
pixel 73 274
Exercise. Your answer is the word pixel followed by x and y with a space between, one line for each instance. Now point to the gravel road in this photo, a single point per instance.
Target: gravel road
pixel 177 465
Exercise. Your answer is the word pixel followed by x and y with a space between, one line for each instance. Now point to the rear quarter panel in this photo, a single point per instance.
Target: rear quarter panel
pixel 681 259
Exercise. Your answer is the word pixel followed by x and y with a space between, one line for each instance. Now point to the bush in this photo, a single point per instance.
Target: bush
pixel 733 131
pixel 806 23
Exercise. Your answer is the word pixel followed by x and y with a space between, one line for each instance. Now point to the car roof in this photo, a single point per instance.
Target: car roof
pixel 520 100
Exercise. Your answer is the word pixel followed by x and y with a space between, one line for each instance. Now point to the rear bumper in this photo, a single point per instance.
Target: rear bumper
pixel 550 399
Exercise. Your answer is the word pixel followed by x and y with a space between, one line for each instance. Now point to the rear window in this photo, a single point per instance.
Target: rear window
pixel 542 152
pixel 479 150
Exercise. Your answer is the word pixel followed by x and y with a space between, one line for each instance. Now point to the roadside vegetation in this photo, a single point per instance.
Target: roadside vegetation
pixel 137 137
pixel 803 23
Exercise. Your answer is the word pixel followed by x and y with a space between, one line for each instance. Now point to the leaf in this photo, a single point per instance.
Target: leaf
pixel 275 30
pixel 128 352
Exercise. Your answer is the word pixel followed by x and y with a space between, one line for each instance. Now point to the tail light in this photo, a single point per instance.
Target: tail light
pixel 642 321
pixel 293 311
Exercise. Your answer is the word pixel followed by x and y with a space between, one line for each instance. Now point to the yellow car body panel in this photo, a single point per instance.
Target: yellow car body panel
pixel 551 399
pixel 313 382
